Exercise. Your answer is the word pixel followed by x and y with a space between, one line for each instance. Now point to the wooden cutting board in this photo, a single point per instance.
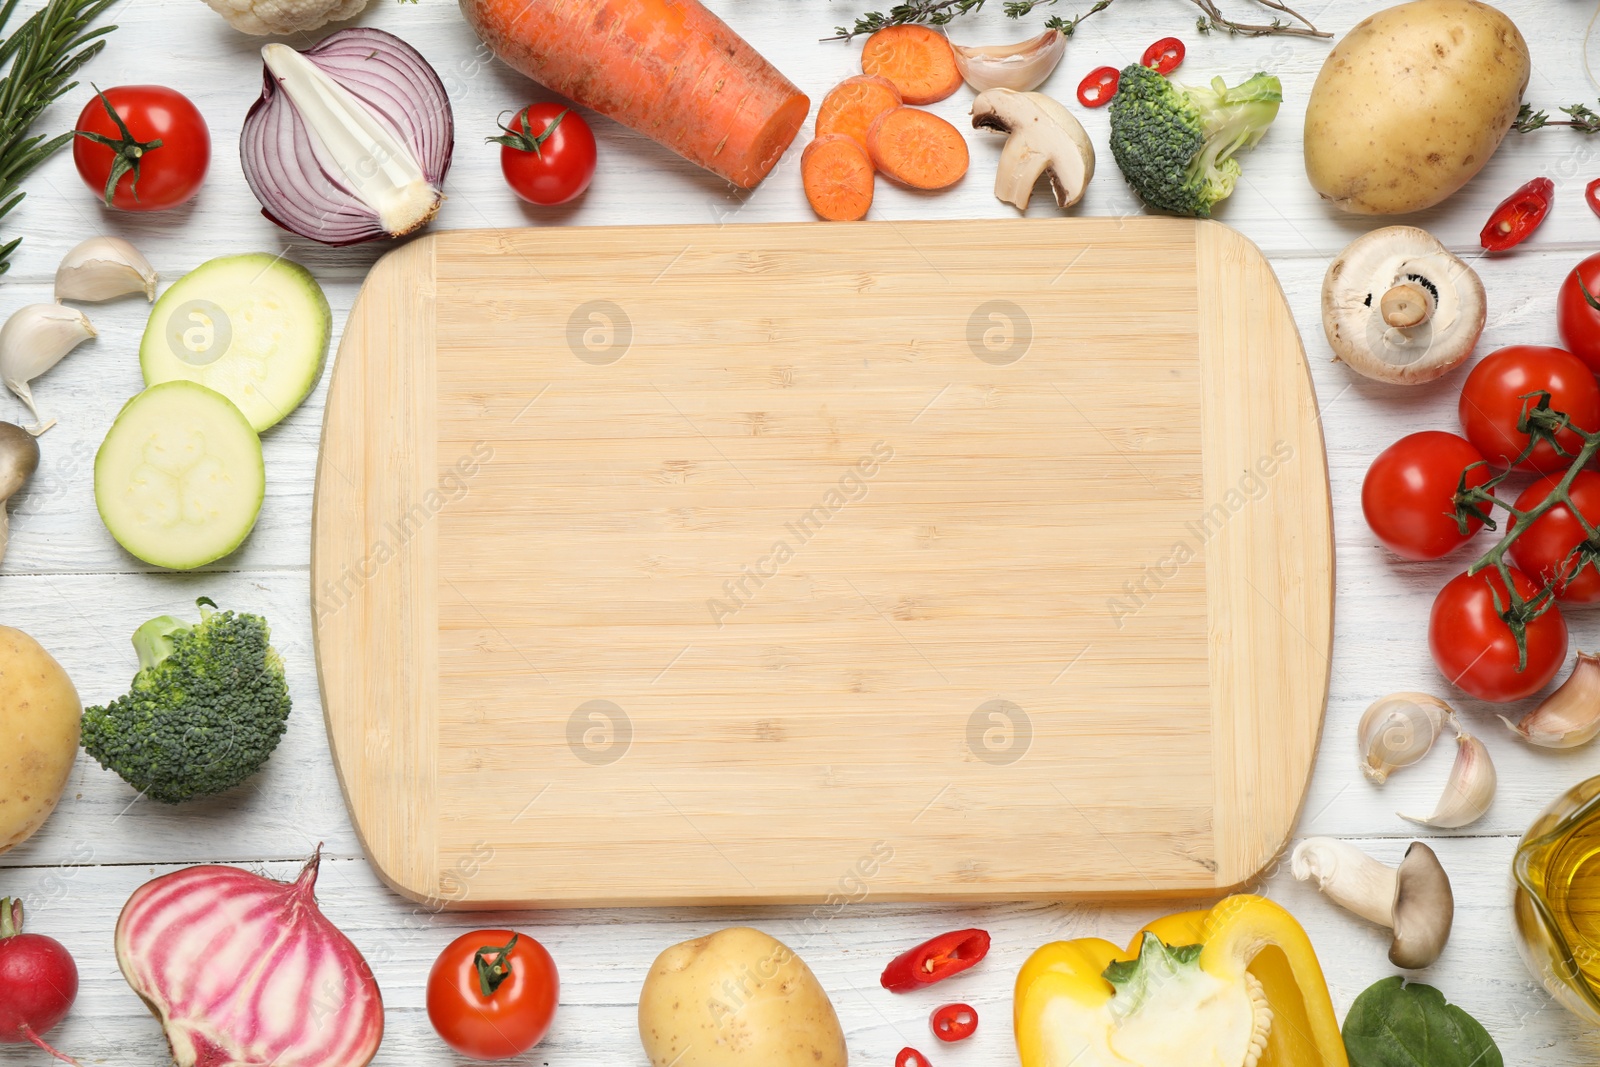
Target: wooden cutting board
pixel 807 563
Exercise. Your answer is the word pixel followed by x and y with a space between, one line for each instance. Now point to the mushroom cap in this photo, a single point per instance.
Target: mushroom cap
pixel 1352 295
pixel 1424 908
pixel 19 458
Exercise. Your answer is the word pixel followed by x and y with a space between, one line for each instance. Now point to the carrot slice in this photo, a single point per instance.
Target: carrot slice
pixel 854 104
pixel 917 148
pixel 837 175
pixel 918 60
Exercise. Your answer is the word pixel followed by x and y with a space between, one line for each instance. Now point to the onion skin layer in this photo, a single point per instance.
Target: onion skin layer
pixel 243 970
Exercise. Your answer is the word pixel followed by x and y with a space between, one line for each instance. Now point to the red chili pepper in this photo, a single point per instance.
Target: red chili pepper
pixel 1164 56
pixel 1591 193
pixel 1518 216
pixel 1097 89
pixel 910 1057
pixel 935 960
pixel 954 1022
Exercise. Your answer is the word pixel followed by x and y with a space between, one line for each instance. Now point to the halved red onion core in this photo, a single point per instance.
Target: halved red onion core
pixel 350 140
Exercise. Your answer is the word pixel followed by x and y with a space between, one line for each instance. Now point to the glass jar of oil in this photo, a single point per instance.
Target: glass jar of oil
pixel 1556 899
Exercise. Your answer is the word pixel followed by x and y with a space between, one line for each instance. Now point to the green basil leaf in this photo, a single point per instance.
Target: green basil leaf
pixel 1395 1024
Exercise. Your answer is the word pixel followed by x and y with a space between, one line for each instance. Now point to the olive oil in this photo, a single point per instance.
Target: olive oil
pixel 1557 899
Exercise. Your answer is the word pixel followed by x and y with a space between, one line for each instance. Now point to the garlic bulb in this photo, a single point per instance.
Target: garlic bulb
pixel 1570 716
pixel 1021 66
pixel 1397 731
pixel 1470 790
pixel 34 339
pixel 104 268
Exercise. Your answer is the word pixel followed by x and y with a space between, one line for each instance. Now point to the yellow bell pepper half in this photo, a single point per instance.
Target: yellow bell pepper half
pixel 1236 986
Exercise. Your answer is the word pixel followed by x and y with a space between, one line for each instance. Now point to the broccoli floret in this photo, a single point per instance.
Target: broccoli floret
pixel 1175 145
pixel 205 710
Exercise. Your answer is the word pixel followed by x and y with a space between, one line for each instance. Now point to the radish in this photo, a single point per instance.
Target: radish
pixel 38 982
pixel 241 969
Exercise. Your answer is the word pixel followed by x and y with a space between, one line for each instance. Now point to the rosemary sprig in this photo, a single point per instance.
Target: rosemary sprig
pixel 940 12
pixel 1580 117
pixel 44 53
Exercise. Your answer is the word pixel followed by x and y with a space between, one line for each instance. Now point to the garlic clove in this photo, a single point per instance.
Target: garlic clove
pixel 104 268
pixel 1470 790
pixel 1397 730
pixel 1022 66
pixel 34 339
pixel 1570 716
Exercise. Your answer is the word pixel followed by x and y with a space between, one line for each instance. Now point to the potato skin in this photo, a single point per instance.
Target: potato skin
pixel 39 717
pixel 734 998
pixel 1412 103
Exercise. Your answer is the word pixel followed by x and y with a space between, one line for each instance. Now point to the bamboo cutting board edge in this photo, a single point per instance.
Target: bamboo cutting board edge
pixel 382 760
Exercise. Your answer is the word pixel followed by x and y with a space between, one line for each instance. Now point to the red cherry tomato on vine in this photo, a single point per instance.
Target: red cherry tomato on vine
pixel 1099 86
pixel 1492 400
pixel 1542 550
pixel 516 1012
pixel 151 156
pixel 1472 643
pixel 954 1022
pixel 1164 56
pixel 1577 317
pixel 1409 493
pixel 547 154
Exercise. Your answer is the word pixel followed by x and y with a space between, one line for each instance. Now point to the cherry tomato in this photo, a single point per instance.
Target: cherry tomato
pixel 954 1022
pixel 1577 315
pixel 547 154
pixel 1473 645
pixel 1492 400
pixel 910 1057
pixel 1542 550
pixel 152 155
pixel 1518 216
pixel 1409 493
pixel 1164 56
pixel 1099 86
pixel 515 1014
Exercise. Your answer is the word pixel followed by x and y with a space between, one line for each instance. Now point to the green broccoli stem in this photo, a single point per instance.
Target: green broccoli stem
pixel 153 640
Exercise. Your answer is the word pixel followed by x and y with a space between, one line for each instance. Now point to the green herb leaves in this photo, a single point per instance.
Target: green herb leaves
pixel 1396 1024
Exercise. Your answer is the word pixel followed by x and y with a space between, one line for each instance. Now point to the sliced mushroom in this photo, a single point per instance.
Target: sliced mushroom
pixel 1042 139
pixel 1414 900
pixel 1398 307
pixel 1021 66
pixel 19 458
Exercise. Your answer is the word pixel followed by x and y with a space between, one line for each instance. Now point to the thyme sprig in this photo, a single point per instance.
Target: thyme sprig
pixel 941 12
pixel 1580 117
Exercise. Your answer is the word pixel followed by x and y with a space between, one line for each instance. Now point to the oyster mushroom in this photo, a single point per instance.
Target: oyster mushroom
pixel 19 458
pixel 1042 139
pixel 1414 900
pixel 1398 307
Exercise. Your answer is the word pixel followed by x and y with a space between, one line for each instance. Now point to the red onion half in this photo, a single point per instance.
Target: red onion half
pixel 241 969
pixel 350 140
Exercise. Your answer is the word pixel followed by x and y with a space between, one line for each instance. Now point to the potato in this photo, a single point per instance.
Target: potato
pixel 39 714
pixel 1412 103
pixel 734 998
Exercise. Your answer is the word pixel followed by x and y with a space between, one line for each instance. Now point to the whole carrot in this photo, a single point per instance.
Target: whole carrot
pixel 668 68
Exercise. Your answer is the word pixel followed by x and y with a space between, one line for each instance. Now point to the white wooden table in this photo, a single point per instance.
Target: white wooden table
pixel 66 582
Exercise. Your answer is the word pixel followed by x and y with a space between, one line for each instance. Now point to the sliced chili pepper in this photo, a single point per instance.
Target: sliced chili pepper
pixel 910 1057
pixel 954 1022
pixel 1097 89
pixel 935 960
pixel 1164 56
pixel 1591 193
pixel 1518 216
